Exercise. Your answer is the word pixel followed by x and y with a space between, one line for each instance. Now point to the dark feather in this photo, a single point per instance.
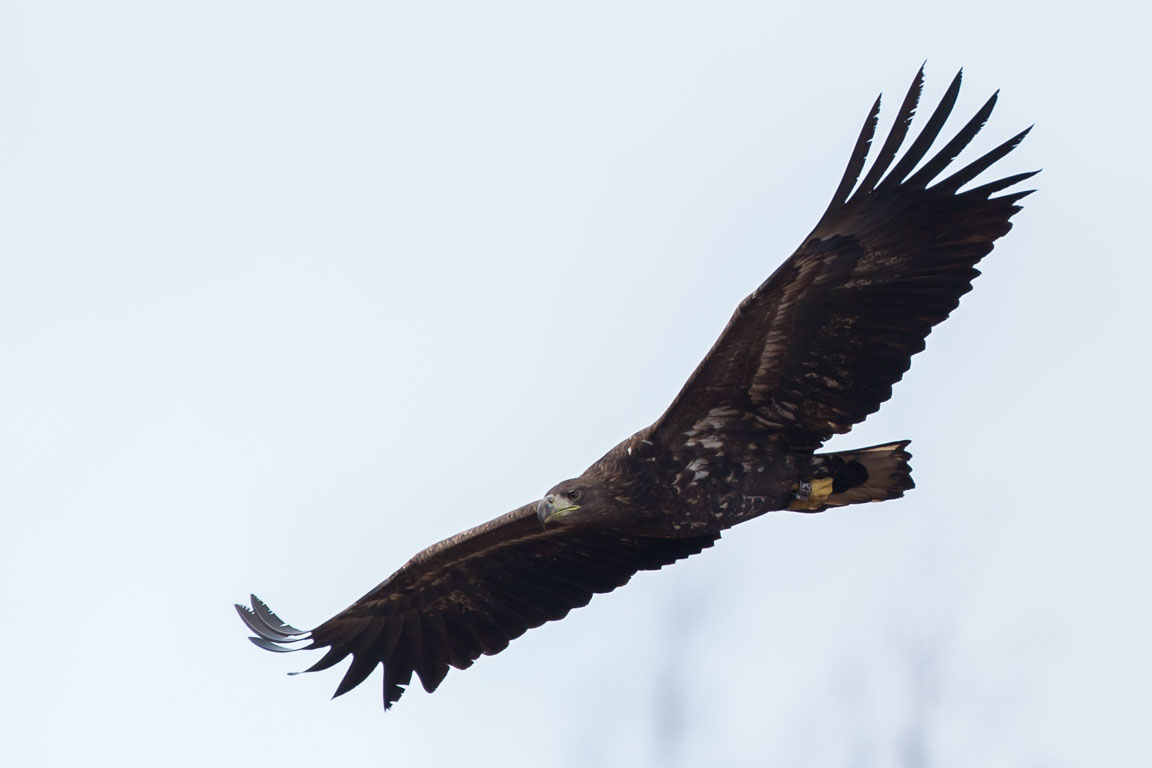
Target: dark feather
pixel 975 168
pixel 858 158
pixel 269 645
pixel 953 148
pixel 270 620
pixel 923 142
pixel 357 672
pixel 896 136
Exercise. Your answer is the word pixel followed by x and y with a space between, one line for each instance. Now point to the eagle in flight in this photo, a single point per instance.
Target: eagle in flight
pixel 811 352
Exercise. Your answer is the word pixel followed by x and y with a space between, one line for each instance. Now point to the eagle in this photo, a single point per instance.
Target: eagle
pixel 812 351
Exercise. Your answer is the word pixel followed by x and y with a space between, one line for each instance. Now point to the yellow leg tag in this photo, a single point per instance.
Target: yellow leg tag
pixel 820 489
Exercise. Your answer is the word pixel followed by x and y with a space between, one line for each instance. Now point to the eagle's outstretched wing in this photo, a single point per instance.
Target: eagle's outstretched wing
pixel 469 595
pixel 817 347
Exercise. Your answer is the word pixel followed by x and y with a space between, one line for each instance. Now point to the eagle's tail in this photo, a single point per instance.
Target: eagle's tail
pixel 878 473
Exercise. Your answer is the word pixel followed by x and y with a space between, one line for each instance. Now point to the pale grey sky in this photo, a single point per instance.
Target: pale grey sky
pixel 290 290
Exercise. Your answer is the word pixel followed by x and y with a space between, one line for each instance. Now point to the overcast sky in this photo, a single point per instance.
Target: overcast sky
pixel 289 291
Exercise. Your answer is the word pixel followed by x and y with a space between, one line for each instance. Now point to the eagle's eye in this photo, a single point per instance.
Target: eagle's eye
pixel 574 494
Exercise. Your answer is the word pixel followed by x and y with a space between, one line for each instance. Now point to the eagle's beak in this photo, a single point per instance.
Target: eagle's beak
pixel 547 508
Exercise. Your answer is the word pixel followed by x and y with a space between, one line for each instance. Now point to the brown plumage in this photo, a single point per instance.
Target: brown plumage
pixel 811 352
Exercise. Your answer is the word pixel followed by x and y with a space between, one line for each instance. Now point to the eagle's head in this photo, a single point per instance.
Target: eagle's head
pixel 564 501
pixel 603 495
pixel 592 498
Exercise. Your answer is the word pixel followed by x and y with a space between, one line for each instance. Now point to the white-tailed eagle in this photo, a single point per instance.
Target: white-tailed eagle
pixel 811 352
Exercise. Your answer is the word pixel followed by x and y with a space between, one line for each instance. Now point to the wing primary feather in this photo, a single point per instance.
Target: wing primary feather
pixel 397 677
pixel 857 159
pixel 928 134
pixel 389 635
pixel 564 591
pixel 333 657
pixel 940 161
pixel 432 673
pixel 358 671
pixel 981 164
pixel 449 650
pixel 252 620
pixel 269 645
pixel 432 661
pixel 271 620
pixel 995 186
pixel 525 598
pixel 510 623
pixel 411 640
pixel 1015 197
pixel 463 641
pixel 896 135
pixel 398 667
pixel 488 633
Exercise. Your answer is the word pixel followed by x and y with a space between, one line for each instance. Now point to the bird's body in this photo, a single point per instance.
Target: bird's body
pixel 713 479
pixel 693 488
pixel 812 351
